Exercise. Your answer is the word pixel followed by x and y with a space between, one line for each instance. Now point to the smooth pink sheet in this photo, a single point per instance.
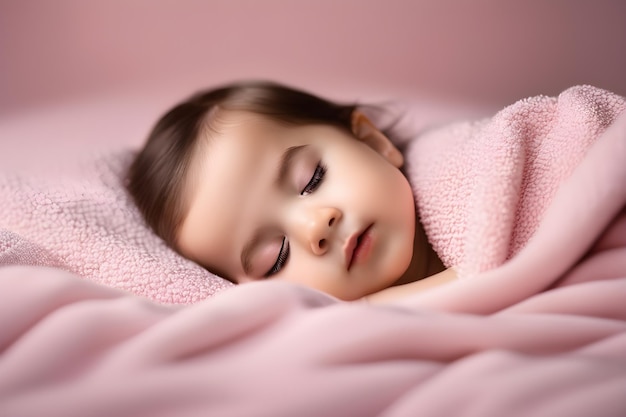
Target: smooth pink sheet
pixel 73 348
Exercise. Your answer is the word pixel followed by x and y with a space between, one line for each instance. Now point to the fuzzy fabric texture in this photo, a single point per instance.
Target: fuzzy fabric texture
pixel 15 250
pixel 482 187
pixel 85 222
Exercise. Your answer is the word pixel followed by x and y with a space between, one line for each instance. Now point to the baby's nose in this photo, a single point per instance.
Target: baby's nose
pixel 321 225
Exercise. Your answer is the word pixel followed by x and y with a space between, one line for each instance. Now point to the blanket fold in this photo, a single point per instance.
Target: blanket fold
pixel 275 349
pixel 503 259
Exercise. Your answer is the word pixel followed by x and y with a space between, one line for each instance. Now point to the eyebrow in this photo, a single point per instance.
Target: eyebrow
pixel 284 167
pixel 286 161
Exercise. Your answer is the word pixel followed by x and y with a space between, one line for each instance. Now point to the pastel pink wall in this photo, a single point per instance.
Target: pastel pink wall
pixel 487 50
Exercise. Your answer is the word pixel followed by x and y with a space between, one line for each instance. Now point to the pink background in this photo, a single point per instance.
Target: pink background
pixel 115 65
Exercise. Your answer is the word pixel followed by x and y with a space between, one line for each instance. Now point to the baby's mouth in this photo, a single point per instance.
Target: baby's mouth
pixel 357 245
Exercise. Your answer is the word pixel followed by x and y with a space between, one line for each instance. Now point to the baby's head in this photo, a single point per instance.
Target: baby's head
pixel 256 180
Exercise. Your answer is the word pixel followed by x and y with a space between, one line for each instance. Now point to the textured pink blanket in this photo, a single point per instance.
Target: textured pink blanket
pixel 483 187
pixel 529 191
pixel 541 333
pixel 86 223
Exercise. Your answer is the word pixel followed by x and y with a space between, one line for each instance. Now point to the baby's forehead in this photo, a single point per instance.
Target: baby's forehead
pixel 232 139
pixel 225 126
pixel 238 133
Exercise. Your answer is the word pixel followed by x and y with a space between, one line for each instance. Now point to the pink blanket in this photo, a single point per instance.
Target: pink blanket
pixel 483 187
pixel 533 188
pixel 542 333
pixel 85 221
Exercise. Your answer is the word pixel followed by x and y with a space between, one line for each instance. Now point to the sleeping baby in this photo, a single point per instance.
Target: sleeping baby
pixel 257 180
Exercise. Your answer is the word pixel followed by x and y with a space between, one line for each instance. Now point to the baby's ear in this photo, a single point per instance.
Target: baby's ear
pixel 365 130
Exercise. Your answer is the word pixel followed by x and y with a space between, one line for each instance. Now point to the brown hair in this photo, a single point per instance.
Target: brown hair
pixel 157 175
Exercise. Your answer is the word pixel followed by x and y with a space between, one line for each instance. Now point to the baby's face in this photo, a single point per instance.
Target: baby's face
pixel 308 204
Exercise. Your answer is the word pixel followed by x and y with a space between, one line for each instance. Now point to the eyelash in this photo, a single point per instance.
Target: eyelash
pixel 316 179
pixel 283 255
pixel 312 185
